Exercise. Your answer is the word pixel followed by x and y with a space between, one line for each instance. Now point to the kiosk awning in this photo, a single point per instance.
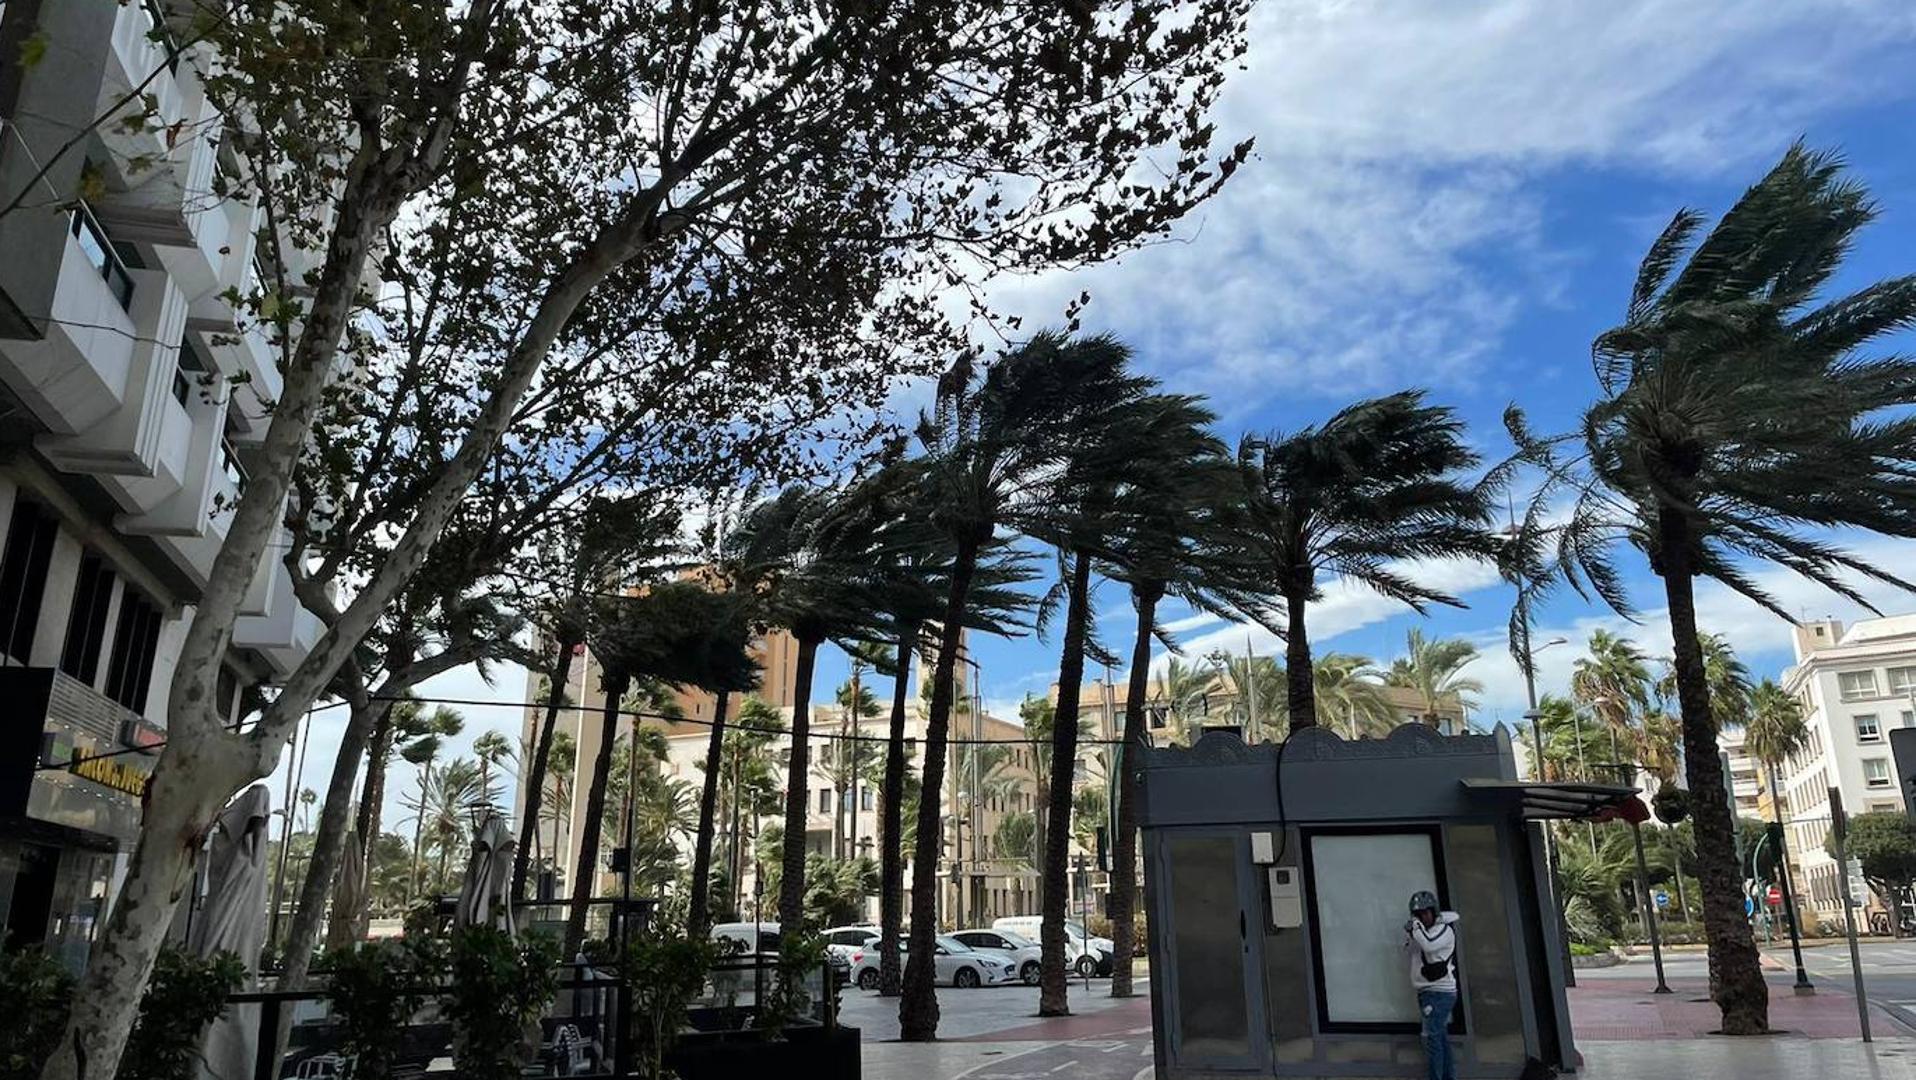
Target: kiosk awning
pixel 1549 801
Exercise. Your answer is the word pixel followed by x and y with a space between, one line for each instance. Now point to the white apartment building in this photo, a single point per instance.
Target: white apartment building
pixel 1856 684
pixel 1746 787
pixel 129 401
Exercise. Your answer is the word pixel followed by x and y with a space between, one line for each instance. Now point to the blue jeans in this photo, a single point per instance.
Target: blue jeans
pixel 1436 1006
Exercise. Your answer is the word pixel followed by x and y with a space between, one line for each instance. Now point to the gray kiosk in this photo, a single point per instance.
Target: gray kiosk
pixel 1277 876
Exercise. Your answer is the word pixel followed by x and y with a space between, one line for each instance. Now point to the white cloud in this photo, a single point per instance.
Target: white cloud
pixel 1400 149
pixel 1346 606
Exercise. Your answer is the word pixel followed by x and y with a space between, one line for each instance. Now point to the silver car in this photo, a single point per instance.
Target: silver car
pixel 955 964
pixel 1023 953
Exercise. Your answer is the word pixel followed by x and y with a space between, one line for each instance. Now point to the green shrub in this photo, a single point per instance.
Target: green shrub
pixel 665 971
pixel 375 988
pixel 36 990
pixel 185 994
pixel 499 988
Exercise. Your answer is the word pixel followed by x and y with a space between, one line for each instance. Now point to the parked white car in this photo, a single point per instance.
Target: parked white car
pixel 1020 950
pixel 843 941
pixel 1087 955
pixel 955 963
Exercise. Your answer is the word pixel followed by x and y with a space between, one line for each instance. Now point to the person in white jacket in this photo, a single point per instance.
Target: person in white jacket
pixel 1430 947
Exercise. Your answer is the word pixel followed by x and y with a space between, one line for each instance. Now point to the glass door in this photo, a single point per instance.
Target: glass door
pixel 1214 999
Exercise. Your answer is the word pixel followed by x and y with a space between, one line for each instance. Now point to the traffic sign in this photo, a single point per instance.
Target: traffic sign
pixel 1774 896
pixel 1749 906
pixel 1662 898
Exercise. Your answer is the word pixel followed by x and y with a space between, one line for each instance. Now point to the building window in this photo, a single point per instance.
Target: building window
pixel 86 627
pixel 1867 729
pixel 101 256
pixel 865 799
pixel 1856 684
pixel 23 576
pixel 824 800
pixel 1876 772
pixel 190 373
pixel 1902 680
pixel 135 640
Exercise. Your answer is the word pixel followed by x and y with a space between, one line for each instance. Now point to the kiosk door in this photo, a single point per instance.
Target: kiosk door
pixel 1215 997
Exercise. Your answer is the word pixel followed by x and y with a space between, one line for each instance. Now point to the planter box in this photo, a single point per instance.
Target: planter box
pixel 803 1052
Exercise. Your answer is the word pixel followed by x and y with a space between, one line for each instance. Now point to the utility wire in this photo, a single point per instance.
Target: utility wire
pixel 638 713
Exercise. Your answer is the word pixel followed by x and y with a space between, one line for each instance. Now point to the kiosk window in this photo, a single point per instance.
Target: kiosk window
pixel 1358 882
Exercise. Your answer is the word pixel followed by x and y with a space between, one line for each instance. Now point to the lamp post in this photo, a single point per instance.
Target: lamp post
pixel 1803 984
pixel 1536 739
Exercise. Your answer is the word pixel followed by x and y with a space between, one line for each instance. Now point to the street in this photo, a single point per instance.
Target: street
pixel 1623 1029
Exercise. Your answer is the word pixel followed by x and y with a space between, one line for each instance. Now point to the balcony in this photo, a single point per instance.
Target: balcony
pixel 76 376
pixel 190 518
pixel 162 146
pixel 116 414
pixel 282 631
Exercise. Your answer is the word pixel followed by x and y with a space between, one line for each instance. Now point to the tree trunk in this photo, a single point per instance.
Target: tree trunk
pixel 918 1007
pixel 414 882
pixel 536 768
pixel 372 797
pixel 791 882
pixel 329 844
pixel 1053 977
pixel 1740 991
pixel 1299 684
pixel 891 852
pixel 585 871
pixel 699 919
pixel 1124 847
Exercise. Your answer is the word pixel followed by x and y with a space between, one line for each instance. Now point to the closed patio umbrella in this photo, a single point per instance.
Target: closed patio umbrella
pixel 349 895
pixel 484 897
pixel 234 920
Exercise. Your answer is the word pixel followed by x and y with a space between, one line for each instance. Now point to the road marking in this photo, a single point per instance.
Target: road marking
pixel 1065 1066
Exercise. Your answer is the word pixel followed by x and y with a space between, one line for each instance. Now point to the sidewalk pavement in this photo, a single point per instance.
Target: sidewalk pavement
pixel 1625 1009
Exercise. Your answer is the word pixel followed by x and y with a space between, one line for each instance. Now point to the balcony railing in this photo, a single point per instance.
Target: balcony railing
pixel 101 256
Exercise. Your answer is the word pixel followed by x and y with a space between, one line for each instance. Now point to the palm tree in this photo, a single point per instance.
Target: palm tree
pixel 729 635
pixel 610 534
pixel 1015 841
pixel 849 758
pixel 1349 687
pixel 419 742
pixel 665 635
pixel 1774 733
pixel 1430 666
pixel 749 786
pixel 1258 690
pixel 1376 485
pixel 446 806
pixel 994 449
pixel 1613 682
pixel 1661 745
pixel 1088 510
pixel 1736 414
pixel 807 556
pixel 1167 539
pixel 492 749
pixel 1184 690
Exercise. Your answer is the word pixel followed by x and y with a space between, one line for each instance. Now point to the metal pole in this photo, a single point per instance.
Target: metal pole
pixel 631 791
pixel 1649 908
pixel 1535 716
pixel 1803 985
pixel 1839 833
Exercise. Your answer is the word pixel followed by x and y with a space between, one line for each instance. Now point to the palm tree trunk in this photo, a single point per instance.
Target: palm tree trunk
pixel 699 919
pixel 918 1007
pixel 536 777
pixel 1300 687
pixel 1052 977
pixel 372 797
pixel 413 882
pixel 1124 847
pixel 791 883
pixel 585 871
pixel 1740 991
pixel 891 851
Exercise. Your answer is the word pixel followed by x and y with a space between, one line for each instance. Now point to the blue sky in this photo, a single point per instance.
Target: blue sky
pixel 1455 195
